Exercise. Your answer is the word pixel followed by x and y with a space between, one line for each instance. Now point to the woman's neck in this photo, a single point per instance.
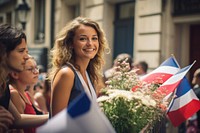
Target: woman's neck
pixel 82 65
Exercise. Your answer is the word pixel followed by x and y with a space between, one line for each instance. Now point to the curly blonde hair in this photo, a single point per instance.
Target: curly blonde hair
pixel 62 52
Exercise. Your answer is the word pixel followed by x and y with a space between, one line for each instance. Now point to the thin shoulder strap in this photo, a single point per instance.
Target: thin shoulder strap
pixel 70 66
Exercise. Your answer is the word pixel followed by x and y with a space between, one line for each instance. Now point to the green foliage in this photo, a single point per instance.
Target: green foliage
pixel 130 112
pixel 129 116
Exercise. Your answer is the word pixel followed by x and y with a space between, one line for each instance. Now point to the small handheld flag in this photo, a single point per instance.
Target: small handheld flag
pixel 168 87
pixel 184 105
pixel 168 68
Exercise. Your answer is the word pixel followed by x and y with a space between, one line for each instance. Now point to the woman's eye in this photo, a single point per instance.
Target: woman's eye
pixel 21 51
pixel 83 39
pixel 95 38
pixel 29 69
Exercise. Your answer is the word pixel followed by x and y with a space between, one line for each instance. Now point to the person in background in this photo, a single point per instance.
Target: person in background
pixel 43 97
pixel 31 92
pixel 196 88
pixel 41 78
pixel 18 84
pixel 192 125
pixel 6 118
pixel 13 56
pixel 77 59
pixel 141 67
pixel 119 59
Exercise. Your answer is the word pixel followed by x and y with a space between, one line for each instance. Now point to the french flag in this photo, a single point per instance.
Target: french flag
pixel 168 87
pixel 168 68
pixel 184 105
pixel 82 116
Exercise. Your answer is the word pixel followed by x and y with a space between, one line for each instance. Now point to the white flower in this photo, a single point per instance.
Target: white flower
pixel 102 98
pixel 149 102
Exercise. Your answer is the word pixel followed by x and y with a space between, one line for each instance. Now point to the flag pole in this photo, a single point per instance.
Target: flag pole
pixel 175 60
pixel 170 98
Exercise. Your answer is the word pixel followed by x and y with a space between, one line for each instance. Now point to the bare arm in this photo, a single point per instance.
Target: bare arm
pixel 31 120
pixel 40 99
pixel 61 90
pixel 25 120
pixel 17 101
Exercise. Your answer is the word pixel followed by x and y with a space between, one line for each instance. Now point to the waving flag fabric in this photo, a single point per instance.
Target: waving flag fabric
pixel 184 105
pixel 168 68
pixel 168 87
pixel 82 116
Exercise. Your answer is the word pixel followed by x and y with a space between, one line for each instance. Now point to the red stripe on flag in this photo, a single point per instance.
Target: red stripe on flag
pixel 159 78
pixel 167 89
pixel 182 114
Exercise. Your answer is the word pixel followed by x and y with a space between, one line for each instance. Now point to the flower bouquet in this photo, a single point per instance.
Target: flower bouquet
pixel 131 110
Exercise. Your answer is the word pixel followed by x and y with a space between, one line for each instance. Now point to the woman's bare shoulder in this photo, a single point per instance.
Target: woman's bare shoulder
pixel 65 72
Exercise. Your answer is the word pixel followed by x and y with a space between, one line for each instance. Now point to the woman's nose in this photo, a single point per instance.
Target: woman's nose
pixel 36 70
pixel 26 56
pixel 89 42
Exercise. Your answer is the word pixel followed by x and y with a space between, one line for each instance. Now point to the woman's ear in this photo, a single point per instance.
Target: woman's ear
pixel 14 75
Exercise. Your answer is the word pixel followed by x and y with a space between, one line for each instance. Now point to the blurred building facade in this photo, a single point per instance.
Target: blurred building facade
pixel 149 30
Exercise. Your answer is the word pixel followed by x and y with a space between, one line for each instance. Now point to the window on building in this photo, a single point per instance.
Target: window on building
pixel 124 28
pixel 73 8
pixel 2 18
pixel 126 10
pixel 39 21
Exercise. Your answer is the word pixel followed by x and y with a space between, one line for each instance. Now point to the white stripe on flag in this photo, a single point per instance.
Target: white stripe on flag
pixel 170 85
pixel 162 69
pixel 175 78
pixel 183 100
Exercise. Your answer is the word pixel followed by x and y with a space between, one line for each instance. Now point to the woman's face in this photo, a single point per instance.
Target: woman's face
pixel 85 43
pixel 29 75
pixel 16 59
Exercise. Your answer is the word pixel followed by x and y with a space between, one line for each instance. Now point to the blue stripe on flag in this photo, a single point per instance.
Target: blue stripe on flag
pixel 79 106
pixel 170 62
pixel 184 69
pixel 183 87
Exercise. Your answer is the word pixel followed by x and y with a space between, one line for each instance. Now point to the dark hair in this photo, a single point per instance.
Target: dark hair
pixel 144 65
pixel 10 37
